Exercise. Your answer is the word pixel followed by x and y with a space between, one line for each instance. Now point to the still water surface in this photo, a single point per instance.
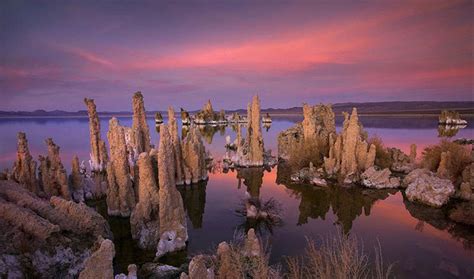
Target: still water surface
pixel 420 241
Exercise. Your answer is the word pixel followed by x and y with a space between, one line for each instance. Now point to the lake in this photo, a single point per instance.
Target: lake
pixel 419 240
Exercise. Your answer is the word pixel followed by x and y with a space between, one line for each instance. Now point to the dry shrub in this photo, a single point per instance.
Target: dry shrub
pixel 339 256
pixel 460 157
pixel 382 156
pixel 307 151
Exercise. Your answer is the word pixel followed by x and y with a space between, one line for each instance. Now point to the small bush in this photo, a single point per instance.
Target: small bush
pixel 460 157
pixel 382 156
pixel 339 256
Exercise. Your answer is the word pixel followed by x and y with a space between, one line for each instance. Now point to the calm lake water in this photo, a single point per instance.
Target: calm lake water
pixel 420 241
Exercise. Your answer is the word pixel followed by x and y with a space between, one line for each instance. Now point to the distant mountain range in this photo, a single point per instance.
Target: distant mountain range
pixel 383 108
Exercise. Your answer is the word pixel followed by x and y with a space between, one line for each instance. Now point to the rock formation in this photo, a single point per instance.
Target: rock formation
pixel 194 157
pixel 176 147
pixel 24 168
pixel 198 269
pixel 173 228
pixel 132 273
pixel 222 119
pixel 466 188
pixel 185 119
pixel 266 119
pixel 51 239
pixel 141 132
pixel 349 153
pixel 52 175
pixel 400 162
pixel 145 218
pixel 379 179
pixel 443 171
pixel 98 156
pixel 76 180
pixel 120 193
pixel 310 175
pixel 100 264
pixel 463 213
pixel 451 118
pixel 158 118
pixel 206 115
pixel 425 187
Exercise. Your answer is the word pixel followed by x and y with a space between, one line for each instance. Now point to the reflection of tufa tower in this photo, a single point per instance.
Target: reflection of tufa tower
pixel 253 179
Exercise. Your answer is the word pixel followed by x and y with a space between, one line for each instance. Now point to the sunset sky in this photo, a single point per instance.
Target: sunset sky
pixel 55 53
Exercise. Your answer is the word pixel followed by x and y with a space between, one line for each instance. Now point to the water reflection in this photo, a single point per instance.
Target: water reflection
pixel 194 200
pixel 252 178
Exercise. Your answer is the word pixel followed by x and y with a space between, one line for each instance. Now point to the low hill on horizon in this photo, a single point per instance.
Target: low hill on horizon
pixel 400 108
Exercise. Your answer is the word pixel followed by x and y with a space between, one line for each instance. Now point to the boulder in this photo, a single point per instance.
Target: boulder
pixel 425 187
pixel 379 179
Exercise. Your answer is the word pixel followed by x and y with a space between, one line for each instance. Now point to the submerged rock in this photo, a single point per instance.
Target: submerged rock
pixel 24 168
pixel 120 193
pixel 141 132
pixel 379 179
pixel 100 263
pixel 145 218
pixel 52 174
pixel 425 187
pixel 173 228
pixel 98 156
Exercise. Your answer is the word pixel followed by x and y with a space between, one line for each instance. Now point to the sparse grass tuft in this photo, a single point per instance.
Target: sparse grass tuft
pixel 460 157
pixel 382 156
pixel 339 256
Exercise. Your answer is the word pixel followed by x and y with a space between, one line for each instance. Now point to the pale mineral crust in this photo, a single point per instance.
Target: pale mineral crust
pixel 98 156
pixel 52 175
pixel 145 218
pixel 76 180
pixel 173 228
pixel 120 192
pixel 24 168
pixel 194 157
pixel 100 264
pixel 141 132
pixel 176 147
pixel 379 179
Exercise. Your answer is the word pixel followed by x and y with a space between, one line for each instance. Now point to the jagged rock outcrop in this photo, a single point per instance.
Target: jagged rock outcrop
pixel 185 119
pixel 51 239
pixel 145 218
pixel 349 153
pixel 206 115
pixel 24 168
pixel 400 162
pixel 76 180
pixel 379 179
pixel 173 228
pixel 100 263
pixel 425 187
pixel 98 156
pixel 288 139
pixel 194 157
pixel 451 118
pixel 158 118
pixel 52 175
pixel 141 132
pixel 120 192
